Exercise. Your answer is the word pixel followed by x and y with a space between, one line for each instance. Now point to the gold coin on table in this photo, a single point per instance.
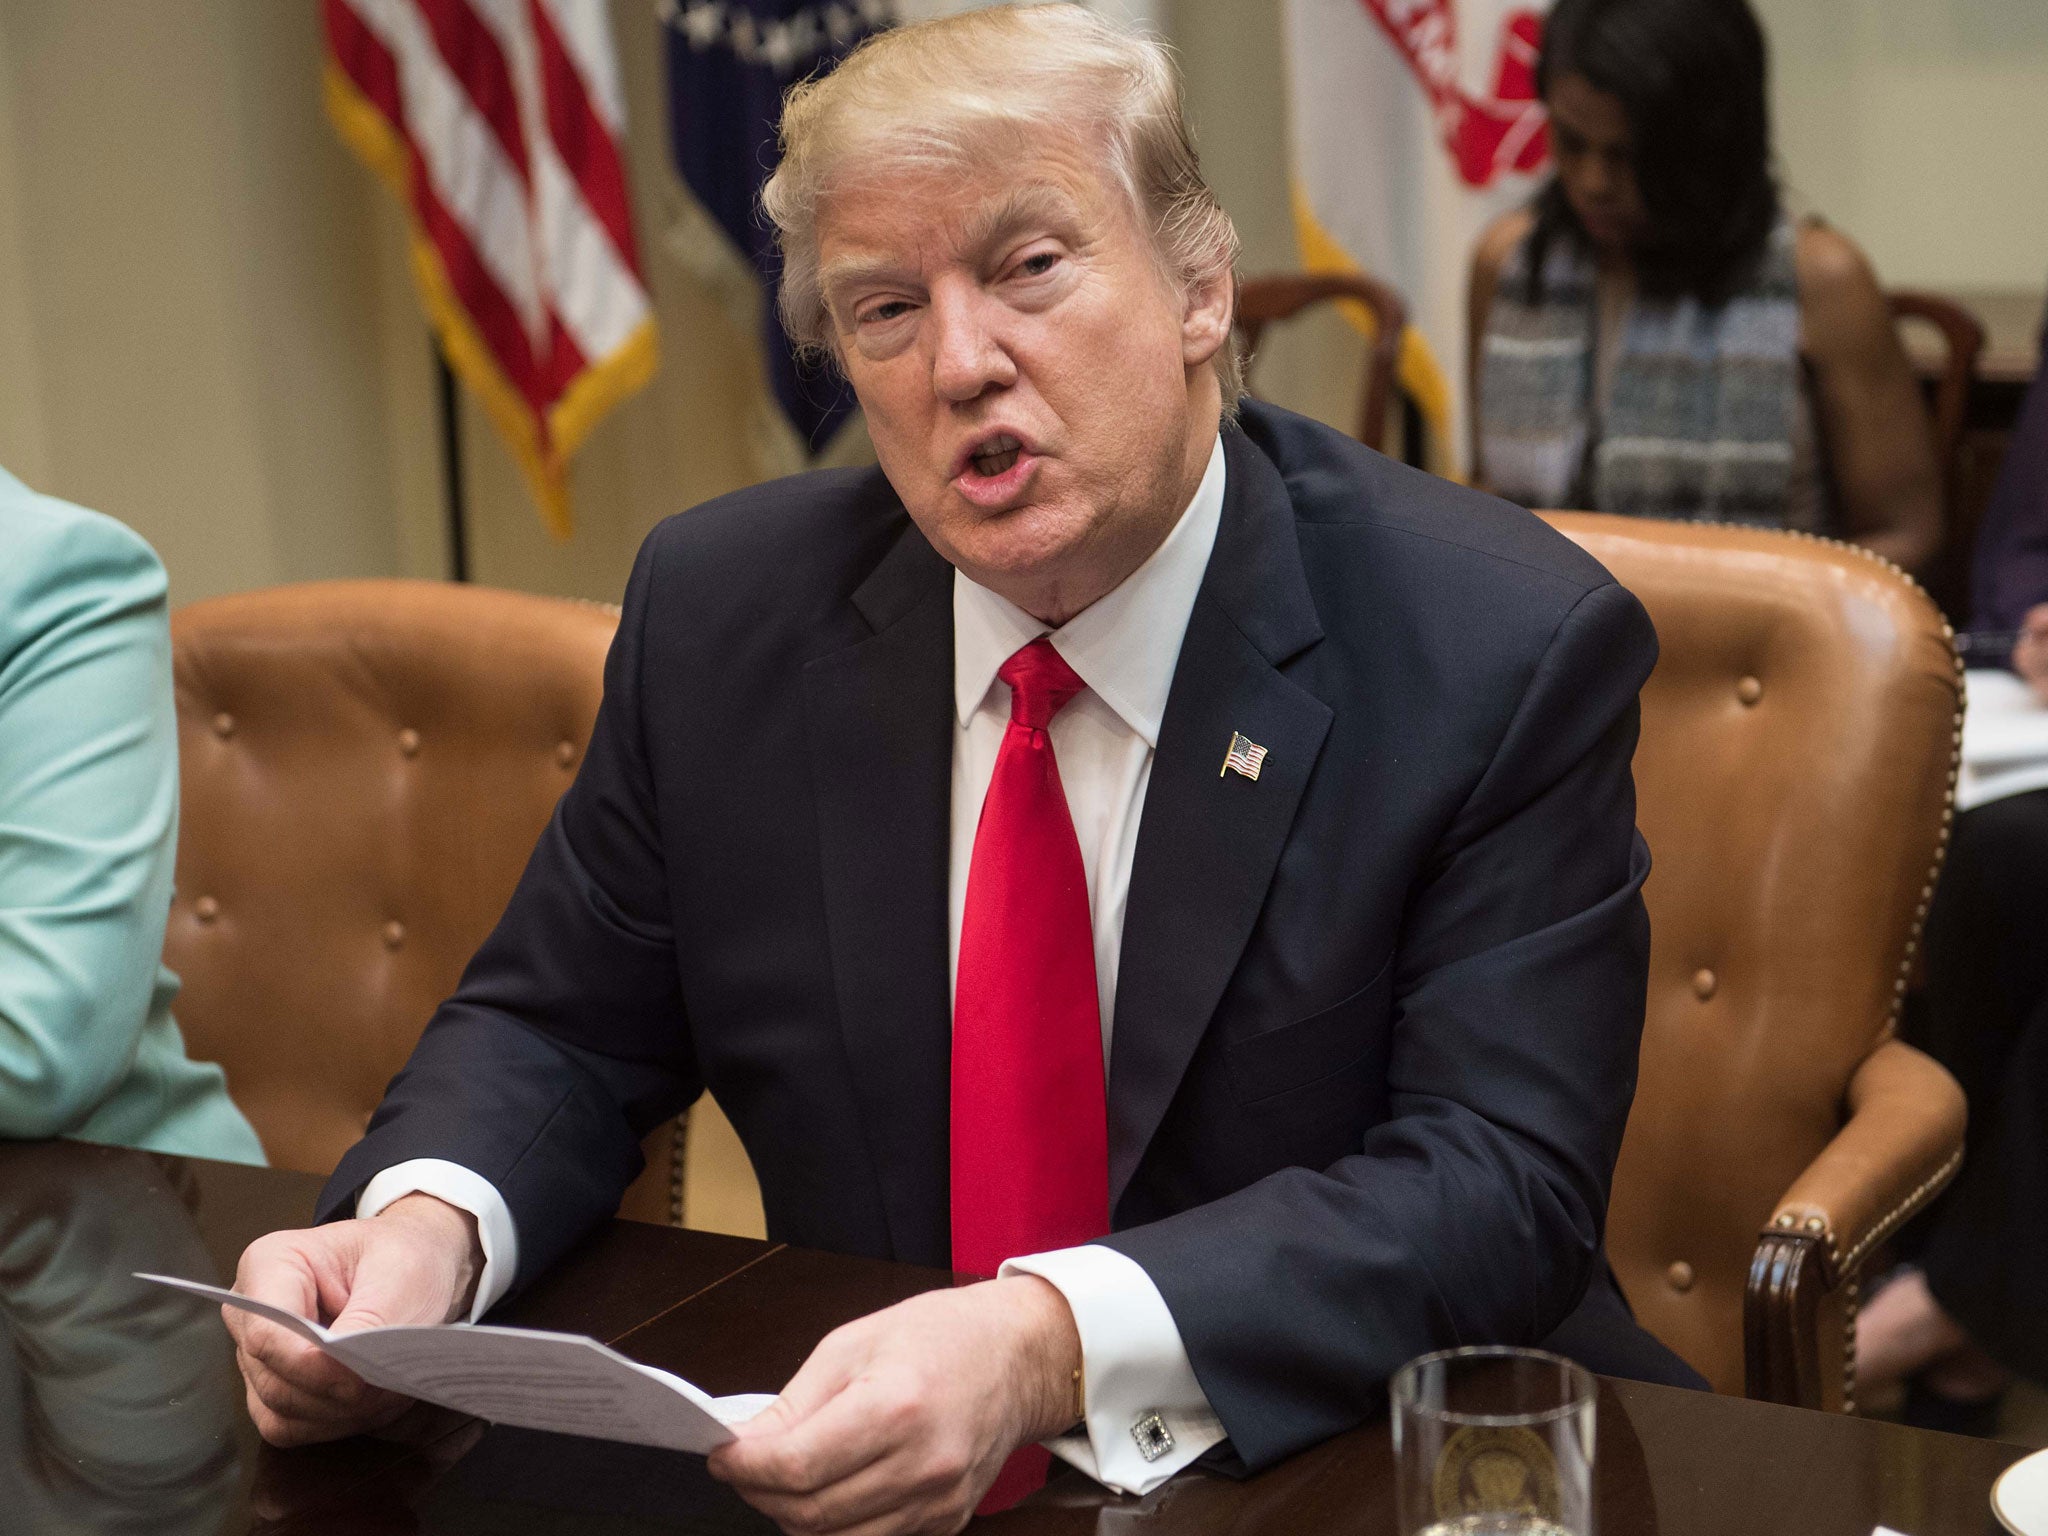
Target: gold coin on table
pixel 1496 1470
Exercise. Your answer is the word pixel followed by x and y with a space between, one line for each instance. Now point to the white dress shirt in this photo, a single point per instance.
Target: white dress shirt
pixel 1136 1374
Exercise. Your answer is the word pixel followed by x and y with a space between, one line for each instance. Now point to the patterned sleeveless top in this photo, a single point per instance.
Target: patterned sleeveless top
pixel 1701 413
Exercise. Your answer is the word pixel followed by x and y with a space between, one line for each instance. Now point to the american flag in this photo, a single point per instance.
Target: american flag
pixel 500 124
pixel 1245 756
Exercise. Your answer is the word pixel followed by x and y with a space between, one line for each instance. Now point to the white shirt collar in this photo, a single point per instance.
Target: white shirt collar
pixel 1124 645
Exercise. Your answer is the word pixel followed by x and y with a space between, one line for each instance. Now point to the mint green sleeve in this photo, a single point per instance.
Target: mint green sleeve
pixel 88 808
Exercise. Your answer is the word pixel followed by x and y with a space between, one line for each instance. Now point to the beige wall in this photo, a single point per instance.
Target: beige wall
pixel 1918 126
pixel 1230 52
pixel 22 446
pixel 1921 128
pixel 207 328
pixel 182 269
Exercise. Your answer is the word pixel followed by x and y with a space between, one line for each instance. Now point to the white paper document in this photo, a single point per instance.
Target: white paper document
pixel 2005 739
pixel 555 1381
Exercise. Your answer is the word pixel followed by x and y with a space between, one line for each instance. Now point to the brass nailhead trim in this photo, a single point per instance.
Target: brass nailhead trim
pixel 678 1167
pixel 1886 1224
pixel 1850 1263
pixel 1955 758
pixel 1852 1300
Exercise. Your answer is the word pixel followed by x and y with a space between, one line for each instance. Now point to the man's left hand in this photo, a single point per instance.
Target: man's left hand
pixel 899 1422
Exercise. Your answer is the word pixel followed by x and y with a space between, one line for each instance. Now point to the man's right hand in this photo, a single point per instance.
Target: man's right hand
pixel 416 1261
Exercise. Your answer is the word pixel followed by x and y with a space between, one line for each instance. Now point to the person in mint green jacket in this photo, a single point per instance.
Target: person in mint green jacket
pixel 88 830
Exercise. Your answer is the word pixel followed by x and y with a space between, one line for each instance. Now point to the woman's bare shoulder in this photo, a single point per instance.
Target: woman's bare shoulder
pixel 1829 262
pixel 1840 302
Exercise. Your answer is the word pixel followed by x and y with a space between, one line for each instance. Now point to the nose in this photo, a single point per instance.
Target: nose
pixel 968 356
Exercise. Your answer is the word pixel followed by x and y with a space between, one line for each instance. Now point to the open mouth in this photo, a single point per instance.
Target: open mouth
pixel 996 455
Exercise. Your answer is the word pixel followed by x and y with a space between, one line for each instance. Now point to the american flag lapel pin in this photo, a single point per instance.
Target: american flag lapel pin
pixel 1244 756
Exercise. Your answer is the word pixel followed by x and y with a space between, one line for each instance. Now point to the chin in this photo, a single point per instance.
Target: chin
pixel 1025 533
pixel 1012 555
pixel 1014 559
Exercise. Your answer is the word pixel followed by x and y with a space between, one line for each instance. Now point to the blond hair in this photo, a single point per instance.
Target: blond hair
pixel 968 88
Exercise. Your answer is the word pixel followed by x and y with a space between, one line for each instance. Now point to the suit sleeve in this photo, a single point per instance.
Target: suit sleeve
pixel 566 1041
pixel 1473 1212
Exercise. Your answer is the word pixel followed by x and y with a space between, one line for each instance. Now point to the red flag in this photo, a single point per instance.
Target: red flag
pixel 500 125
pixel 1486 132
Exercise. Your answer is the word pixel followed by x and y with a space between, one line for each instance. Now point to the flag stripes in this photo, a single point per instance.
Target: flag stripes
pixel 499 124
pixel 1245 756
pixel 586 146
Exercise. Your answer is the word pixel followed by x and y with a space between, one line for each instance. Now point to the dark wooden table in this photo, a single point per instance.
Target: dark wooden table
pixel 120 1409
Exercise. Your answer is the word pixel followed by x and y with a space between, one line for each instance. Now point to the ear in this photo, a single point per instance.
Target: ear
pixel 1205 325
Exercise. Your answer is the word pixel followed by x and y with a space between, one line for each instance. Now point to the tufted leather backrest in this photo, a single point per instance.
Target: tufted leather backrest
pixel 366 766
pixel 1793 780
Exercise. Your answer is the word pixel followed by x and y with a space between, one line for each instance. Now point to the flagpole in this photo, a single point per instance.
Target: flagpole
pixel 451 467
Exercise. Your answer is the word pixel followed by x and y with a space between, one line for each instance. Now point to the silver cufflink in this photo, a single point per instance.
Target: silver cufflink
pixel 1153 1437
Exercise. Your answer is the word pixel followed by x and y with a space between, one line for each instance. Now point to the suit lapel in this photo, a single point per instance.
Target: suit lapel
pixel 1209 840
pixel 880 732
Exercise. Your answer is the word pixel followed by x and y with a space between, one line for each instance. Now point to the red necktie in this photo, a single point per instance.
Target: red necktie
pixel 1030 1127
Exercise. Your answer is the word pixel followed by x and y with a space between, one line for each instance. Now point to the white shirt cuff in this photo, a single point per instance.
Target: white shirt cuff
pixel 466 1191
pixel 1147 1415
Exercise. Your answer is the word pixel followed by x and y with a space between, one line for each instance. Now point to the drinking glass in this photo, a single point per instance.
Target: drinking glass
pixel 1493 1441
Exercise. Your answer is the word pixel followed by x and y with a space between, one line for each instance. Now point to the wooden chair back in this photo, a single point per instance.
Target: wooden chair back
pixel 1280 296
pixel 1962 343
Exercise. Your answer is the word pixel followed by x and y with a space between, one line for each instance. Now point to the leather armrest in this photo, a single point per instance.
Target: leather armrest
pixel 1902 1143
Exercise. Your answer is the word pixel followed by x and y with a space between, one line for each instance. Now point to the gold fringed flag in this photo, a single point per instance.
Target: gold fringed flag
pixel 500 124
pixel 1414 122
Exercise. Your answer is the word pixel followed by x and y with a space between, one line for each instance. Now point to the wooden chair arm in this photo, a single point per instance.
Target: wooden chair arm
pixel 1903 1141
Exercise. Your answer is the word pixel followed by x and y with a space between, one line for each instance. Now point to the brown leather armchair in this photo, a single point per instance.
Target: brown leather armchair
pixel 1793 779
pixel 366 765
pixel 1797 757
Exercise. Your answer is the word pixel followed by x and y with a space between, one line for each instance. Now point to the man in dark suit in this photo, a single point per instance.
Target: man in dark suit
pixel 1192 871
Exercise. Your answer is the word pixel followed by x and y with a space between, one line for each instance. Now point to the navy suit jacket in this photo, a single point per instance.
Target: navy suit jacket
pixel 1378 1010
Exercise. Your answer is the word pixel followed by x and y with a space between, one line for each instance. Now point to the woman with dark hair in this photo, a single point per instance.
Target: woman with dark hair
pixel 1654 335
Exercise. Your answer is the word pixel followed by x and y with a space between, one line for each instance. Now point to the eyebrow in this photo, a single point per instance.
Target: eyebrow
pixel 1034 203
